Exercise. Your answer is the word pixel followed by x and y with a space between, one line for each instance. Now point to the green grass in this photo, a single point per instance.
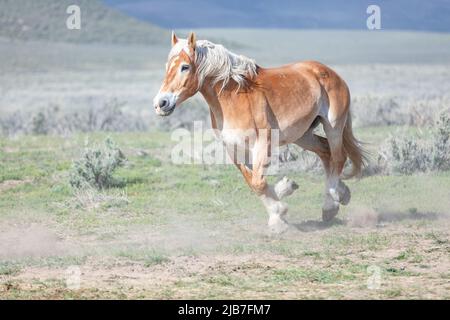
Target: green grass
pixel 169 214
pixel 159 191
pixel 410 255
pixel 149 257
pixel 310 275
pixel 7 268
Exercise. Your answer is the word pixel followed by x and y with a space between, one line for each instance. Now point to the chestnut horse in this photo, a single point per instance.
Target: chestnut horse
pixel 293 99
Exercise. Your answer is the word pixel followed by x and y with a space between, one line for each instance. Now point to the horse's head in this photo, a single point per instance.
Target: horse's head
pixel 180 81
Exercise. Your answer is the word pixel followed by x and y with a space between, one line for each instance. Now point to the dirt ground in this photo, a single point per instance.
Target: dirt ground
pixel 395 261
pixel 184 231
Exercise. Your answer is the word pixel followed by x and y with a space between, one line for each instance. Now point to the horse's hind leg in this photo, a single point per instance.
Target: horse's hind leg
pixel 319 145
pixel 337 192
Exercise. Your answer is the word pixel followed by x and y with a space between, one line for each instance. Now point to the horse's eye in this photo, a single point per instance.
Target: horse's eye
pixel 184 67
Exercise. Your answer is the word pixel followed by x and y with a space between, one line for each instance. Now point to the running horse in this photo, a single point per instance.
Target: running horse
pixel 245 97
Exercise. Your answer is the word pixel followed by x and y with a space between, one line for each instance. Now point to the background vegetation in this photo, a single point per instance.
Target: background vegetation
pixel 146 228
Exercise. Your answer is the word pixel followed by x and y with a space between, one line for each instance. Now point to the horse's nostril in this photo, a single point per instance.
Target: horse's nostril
pixel 163 103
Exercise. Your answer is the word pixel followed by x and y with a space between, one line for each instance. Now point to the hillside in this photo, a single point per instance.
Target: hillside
pixel 46 20
pixel 412 15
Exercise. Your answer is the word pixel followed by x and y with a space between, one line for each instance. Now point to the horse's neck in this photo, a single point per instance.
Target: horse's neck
pixel 211 95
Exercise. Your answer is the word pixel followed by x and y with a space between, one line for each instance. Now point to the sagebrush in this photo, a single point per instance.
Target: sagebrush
pixel 410 154
pixel 96 167
pixel 53 120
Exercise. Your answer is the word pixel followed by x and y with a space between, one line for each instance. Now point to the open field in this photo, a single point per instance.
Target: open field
pixel 198 232
pixel 413 75
pixel 194 231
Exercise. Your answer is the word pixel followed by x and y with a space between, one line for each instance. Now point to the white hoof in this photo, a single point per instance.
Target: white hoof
pixel 277 225
pixel 285 187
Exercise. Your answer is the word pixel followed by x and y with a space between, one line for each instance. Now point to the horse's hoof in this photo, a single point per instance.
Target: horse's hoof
pixel 277 225
pixel 279 229
pixel 285 187
pixel 341 194
pixel 346 196
pixel 329 213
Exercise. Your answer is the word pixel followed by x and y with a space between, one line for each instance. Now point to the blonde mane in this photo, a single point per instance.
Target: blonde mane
pixel 219 64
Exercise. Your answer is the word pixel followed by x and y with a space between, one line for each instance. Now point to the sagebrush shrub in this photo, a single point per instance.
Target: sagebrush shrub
pixel 96 167
pixel 407 155
pixel 112 116
pixel 440 155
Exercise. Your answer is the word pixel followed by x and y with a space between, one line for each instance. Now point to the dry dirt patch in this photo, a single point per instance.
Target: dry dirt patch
pixel 9 184
pixel 28 240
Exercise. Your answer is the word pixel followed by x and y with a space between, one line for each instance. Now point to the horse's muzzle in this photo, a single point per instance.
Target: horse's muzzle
pixel 164 112
pixel 164 104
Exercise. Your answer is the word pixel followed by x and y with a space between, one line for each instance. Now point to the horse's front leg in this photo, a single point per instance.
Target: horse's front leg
pixel 268 194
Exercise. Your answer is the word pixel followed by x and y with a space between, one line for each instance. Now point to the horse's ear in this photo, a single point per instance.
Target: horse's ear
pixel 191 41
pixel 174 38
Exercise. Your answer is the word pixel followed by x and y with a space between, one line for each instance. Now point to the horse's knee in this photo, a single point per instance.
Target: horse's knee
pixel 259 186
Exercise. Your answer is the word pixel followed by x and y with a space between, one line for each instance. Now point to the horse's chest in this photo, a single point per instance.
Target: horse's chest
pixel 238 137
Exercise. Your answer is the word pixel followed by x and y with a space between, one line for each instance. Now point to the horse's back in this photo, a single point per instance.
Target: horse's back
pixel 297 93
pixel 337 92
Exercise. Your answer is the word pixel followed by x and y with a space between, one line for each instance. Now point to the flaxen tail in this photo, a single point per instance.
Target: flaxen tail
pixel 354 150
